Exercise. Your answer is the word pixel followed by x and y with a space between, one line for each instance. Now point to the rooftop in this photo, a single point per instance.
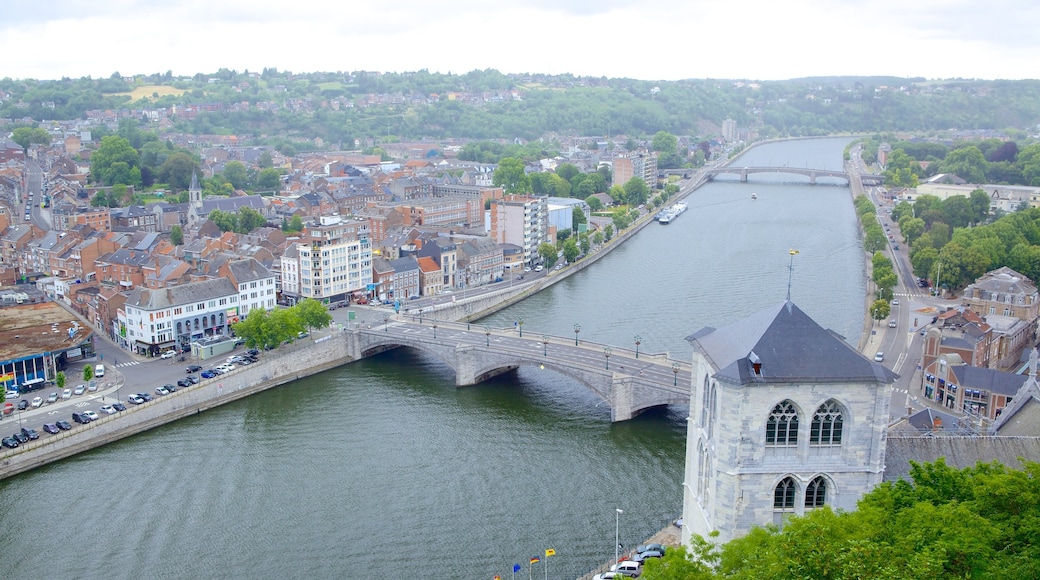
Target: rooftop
pixel 30 329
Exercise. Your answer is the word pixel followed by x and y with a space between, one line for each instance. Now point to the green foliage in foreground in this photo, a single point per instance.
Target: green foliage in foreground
pixel 976 522
pixel 263 329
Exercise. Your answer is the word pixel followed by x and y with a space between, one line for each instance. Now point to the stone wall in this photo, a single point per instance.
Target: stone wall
pixel 290 362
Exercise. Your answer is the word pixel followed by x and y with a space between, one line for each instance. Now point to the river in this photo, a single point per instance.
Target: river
pixel 383 469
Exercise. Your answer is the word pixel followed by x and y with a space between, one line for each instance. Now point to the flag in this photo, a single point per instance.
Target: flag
pixel 549 552
pixel 535 559
pixel 516 568
pixel 498 578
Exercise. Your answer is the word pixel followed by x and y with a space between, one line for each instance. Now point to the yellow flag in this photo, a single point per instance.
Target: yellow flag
pixel 550 552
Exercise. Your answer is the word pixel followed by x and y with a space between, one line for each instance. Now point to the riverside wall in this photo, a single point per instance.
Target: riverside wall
pixel 327 350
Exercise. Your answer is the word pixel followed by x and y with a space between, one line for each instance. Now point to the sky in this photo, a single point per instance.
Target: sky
pixel 645 39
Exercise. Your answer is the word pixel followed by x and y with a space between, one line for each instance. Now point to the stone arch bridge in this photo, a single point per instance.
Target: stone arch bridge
pixel 629 382
pixel 812 174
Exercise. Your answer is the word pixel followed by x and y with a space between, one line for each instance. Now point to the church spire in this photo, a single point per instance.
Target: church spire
pixel 194 190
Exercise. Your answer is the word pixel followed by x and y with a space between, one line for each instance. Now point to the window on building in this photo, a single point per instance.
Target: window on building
pixel 783 499
pixel 816 493
pixel 782 426
pixel 827 425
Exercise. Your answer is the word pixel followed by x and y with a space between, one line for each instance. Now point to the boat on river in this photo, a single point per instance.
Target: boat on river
pixel 754 195
pixel 666 216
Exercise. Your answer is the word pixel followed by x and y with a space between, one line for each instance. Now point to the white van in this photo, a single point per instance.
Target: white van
pixel 99 371
pixel 628 568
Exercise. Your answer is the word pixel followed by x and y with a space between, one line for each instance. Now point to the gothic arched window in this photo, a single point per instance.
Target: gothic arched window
pixel 782 426
pixel 827 425
pixel 816 493
pixel 783 499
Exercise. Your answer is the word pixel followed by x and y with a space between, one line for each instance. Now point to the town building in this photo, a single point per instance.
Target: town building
pixel 332 261
pixel 785 417
pixel 521 221
pixel 1006 293
pixel 153 321
pixel 37 340
pixel 642 165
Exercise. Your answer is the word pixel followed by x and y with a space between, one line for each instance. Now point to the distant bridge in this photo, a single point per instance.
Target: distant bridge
pixel 627 380
pixel 812 174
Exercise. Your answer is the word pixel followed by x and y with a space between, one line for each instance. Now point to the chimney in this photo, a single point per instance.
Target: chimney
pixel 936 424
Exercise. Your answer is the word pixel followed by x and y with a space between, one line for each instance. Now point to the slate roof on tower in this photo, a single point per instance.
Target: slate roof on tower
pixel 785 345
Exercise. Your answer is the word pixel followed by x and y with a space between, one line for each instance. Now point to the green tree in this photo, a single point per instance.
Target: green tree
pixel 254 330
pixel 966 162
pixel 249 219
pixel 923 261
pixel 874 238
pixel 547 252
pixel 312 314
pixel 27 136
pixel 511 176
pixel 235 173
pixel 269 179
pixel 577 218
pixel 88 373
pixel 594 203
pixel 176 235
pixel 636 191
pixel 177 170
pixel 980 206
pixel 570 250
pixel 911 228
pixel 60 379
pixel 880 309
pixel 115 161
pixel 265 161
pixel 608 232
pixel 284 325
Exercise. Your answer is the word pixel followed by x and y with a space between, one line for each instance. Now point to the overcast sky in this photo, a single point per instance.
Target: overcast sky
pixel 645 39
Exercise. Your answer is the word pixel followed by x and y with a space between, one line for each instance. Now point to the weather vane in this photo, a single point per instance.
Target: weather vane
pixel 790 272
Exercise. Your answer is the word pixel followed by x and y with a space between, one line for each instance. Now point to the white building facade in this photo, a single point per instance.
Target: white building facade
pixel 785 417
pixel 152 321
pixel 334 260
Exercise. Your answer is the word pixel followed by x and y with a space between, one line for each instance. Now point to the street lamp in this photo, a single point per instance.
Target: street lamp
pixel 435 328
pixel 675 374
pixel 577 329
pixel 638 339
pixel 487 333
pixel 617 530
pixel 606 354
pixel 467 310
pixel 386 322
pixel 520 325
pixel 420 316
pixel 545 345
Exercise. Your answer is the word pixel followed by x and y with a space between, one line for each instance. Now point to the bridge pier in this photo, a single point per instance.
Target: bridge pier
pixel 812 178
pixel 621 406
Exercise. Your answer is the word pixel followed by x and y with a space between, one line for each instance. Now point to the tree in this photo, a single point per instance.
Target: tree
pixel 511 176
pixel 967 162
pixel 547 252
pixel 249 219
pixel 265 161
pixel 636 191
pixel 235 173
pixel 176 235
pixel 60 379
pixel 578 218
pixel 269 179
pixel 594 203
pixel 911 228
pixel 980 206
pixel 313 314
pixel 114 161
pixel 570 250
pixel 254 329
pixel 880 309
pixel 88 373
pixel 26 136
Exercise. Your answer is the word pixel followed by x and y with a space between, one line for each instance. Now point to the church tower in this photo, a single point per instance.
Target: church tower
pixel 785 417
pixel 194 199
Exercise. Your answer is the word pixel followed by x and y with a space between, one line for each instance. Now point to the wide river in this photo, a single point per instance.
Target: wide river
pixel 383 469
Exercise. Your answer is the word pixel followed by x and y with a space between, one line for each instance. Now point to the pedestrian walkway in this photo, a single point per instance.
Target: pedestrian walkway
pixel 129 363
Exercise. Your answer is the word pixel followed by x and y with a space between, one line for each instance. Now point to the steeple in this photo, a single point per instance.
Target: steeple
pixel 194 190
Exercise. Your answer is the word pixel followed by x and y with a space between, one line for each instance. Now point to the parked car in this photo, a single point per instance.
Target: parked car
pixel 23 405
pixel 93 416
pixel 253 352
pixel 119 406
pixel 145 396
pixel 10 442
pixel 607 576
pixel 79 390
pixel 80 418
pixel 134 399
pixel 192 380
pixel 63 425
pixel 66 394
pixel 648 547
pixel 646 554
pixel 37 401
pixel 879 357
pixel 107 409
pixel 53 397
pixel 161 391
pixel 51 428
pixel 92 388
pixel 183 383
pixel 628 568
pixel 21 437
pixel 99 371
pixel 208 374
pixel 168 354
pixel 193 369
pixel 30 433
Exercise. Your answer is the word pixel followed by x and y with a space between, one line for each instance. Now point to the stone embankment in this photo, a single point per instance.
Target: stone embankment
pixel 286 364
